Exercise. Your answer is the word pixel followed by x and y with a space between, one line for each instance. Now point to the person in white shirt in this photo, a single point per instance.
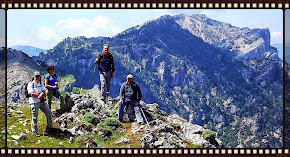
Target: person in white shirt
pixel 36 89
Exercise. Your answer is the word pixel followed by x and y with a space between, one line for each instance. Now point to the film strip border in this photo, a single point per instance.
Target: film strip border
pixel 120 151
pixel 173 5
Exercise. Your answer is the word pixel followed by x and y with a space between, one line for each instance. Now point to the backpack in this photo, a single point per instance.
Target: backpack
pixel 25 87
pixel 26 91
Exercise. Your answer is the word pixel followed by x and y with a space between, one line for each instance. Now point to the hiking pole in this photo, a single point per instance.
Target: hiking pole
pixel 118 103
pixel 144 116
pixel 43 118
pixel 93 75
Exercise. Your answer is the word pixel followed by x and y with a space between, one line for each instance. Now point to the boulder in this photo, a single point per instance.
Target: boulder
pixel 23 136
pixel 148 140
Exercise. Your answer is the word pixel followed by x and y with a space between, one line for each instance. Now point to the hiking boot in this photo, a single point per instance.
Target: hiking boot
pixel 141 123
pixel 35 134
pixel 59 113
pixel 48 130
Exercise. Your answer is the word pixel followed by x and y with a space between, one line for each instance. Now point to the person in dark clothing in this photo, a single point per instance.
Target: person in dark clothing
pixel 106 69
pixel 130 95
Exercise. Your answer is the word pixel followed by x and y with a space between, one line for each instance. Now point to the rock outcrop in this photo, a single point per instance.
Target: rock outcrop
pixel 161 131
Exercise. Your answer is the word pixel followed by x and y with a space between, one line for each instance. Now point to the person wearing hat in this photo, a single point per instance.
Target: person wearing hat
pixel 51 85
pixel 130 95
pixel 106 69
pixel 36 90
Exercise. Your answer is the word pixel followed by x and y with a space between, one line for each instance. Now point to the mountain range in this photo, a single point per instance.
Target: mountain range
pixel 225 78
pixel 30 50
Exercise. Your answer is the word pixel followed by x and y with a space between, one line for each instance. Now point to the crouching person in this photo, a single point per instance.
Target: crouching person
pixel 36 89
pixel 130 95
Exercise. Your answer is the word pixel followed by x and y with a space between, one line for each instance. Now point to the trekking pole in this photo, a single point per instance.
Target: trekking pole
pixel 118 103
pixel 93 75
pixel 144 116
pixel 43 118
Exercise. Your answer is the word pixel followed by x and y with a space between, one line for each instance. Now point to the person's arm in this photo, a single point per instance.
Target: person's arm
pixel 139 94
pixel 97 61
pixel 56 82
pixel 30 90
pixel 42 94
pixel 112 66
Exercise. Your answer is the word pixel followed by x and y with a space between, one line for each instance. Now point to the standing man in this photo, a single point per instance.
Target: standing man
pixel 130 95
pixel 106 69
pixel 36 100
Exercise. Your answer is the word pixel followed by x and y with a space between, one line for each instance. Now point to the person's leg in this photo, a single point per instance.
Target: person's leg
pixel 138 113
pixel 121 110
pixel 44 108
pixel 130 111
pixel 108 82
pixel 34 110
pixel 61 98
pixel 49 94
pixel 103 86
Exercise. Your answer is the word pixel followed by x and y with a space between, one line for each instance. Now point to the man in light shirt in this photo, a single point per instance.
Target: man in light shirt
pixel 36 100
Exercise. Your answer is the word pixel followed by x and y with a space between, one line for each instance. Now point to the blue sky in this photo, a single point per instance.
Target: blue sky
pixel 2 27
pixel 44 28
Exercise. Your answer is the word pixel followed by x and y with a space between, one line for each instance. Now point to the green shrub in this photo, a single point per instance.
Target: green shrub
pixel 114 114
pixel 174 136
pixel 158 116
pixel 107 130
pixel 208 135
pixel 197 146
pixel 83 111
pixel 75 90
pixel 91 118
pixel 156 105
pixel 173 142
pixel 80 139
pixel 176 126
pixel 105 112
pixel 113 122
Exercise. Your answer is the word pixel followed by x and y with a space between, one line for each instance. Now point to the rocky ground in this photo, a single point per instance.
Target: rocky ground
pixel 88 122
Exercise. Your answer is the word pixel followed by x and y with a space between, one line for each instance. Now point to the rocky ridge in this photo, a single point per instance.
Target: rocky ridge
pixel 162 131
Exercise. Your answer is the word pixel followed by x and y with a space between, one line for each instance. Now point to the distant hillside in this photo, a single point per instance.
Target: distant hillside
pixel 31 51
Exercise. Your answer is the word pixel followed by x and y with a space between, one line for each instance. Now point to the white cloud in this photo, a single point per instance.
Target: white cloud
pixel 47 33
pixel 72 27
pixel 276 37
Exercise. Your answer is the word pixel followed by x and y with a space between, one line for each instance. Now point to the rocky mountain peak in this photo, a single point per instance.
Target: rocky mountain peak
pixel 244 43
